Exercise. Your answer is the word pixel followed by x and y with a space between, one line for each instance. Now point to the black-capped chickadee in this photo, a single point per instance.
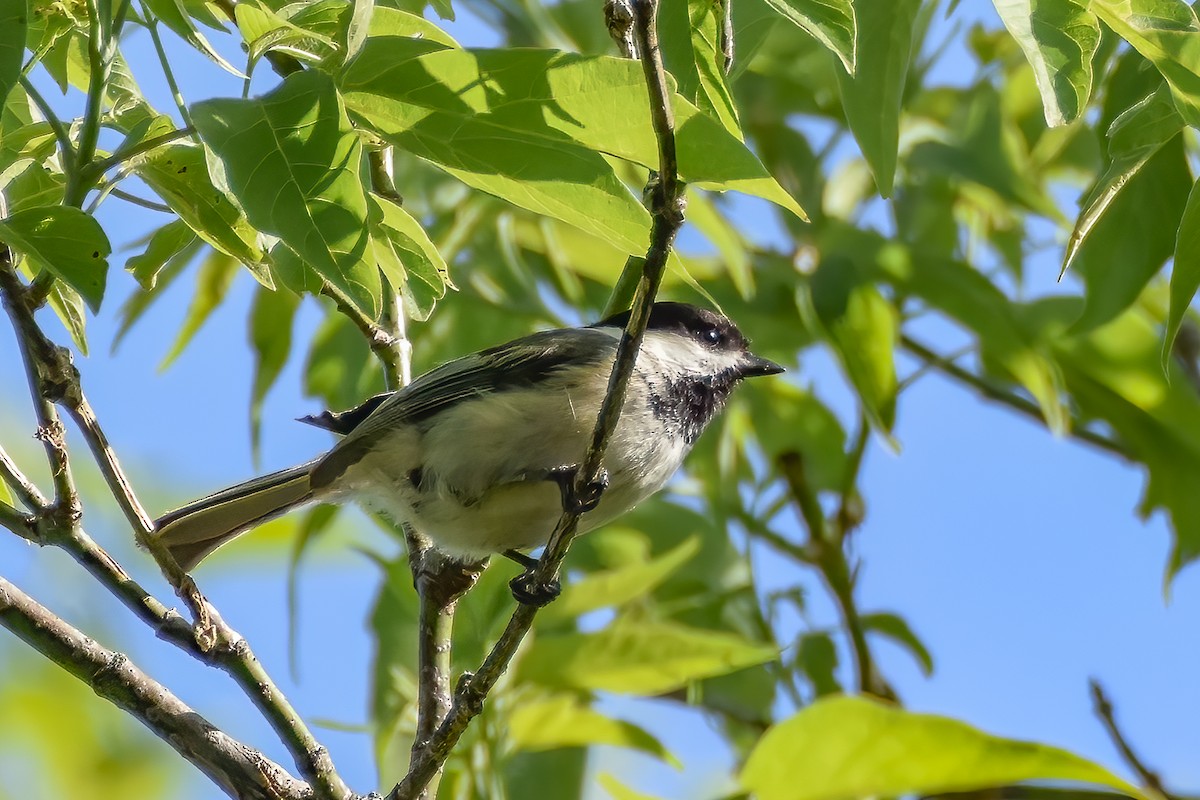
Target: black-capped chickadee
pixel 471 452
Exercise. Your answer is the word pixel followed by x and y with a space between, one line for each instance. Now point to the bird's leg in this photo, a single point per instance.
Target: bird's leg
pixel 525 587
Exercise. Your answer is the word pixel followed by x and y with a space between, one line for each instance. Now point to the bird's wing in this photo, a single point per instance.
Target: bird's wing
pixel 520 363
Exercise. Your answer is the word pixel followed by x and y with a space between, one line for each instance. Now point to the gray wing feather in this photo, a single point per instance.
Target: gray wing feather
pixel 519 363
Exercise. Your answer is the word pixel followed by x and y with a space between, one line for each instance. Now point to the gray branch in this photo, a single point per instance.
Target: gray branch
pixel 241 771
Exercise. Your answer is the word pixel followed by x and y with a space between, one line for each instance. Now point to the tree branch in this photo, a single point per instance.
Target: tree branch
pixel 1104 710
pixel 667 213
pixel 1009 399
pixel 53 376
pixel 241 771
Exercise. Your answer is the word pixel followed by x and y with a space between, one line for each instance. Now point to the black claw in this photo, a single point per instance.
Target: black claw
pixel 528 591
pixel 588 498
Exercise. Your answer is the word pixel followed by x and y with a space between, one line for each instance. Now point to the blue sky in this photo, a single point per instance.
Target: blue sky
pixel 1018 558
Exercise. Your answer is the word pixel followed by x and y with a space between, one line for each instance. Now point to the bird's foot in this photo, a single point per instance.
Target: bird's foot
pixel 588 496
pixel 528 590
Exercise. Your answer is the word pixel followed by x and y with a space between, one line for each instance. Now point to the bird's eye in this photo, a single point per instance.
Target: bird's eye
pixel 713 336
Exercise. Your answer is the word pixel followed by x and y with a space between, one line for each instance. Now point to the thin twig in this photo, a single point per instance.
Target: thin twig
pixel 1026 407
pixel 60 131
pixel 129 197
pixel 667 216
pixel 1104 710
pixel 136 149
pixel 50 430
pixel 25 489
pixel 19 522
pixel 825 551
pixel 241 771
pixel 168 73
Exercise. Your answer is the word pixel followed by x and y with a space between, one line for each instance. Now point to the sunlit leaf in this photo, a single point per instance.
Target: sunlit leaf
pixel 831 22
pixel 546 723
pixel 1168 34
pixel 166 242
pixel 636 657
pixel 619 586
pixel 690 37
pixel 851 747
pixel 1059 40
pixel 1116 266
pixel 180 176
pixel 295 165
pixel 528 125
pixel 67 242
pixel 619 791
pixel 1185 271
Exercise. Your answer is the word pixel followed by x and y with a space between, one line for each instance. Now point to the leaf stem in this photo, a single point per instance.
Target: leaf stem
pixel 56 126
pixel 1104 710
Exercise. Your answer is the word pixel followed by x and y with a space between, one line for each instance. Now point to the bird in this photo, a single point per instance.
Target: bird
pixel 479 452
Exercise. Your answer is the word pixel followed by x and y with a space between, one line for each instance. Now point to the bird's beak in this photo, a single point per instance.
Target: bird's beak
pixel 752 366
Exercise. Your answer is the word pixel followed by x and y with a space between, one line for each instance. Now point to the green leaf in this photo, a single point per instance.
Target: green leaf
pixel 66 241
pixel 831 22
pixel 871 98
pixel 358 26
pixel 179 174
pixel 851 747
pixel 68 307
pixel 1168 34
pixel 271 339
pixel 14 24
pixel 1133 139
pixel 562 720
pixel 689 33
pixel 637 657
pixel 817 655
pixel 175 16
pixel 212 282
pixel 404 252
pixel 295 165
pixel 895 628
pixel 862 327
pixel 1115 374
pixel 1117 266
pixel 394 22
pixel 619 791
pixel 1059 40
pixel 617 587
pixel 1185 272
pixel 166 243
pixel 967 296
pixel 528 125
pixel 787 418
pixel 139 302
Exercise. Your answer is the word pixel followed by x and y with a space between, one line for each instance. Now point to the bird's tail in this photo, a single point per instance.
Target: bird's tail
pixel 197 529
